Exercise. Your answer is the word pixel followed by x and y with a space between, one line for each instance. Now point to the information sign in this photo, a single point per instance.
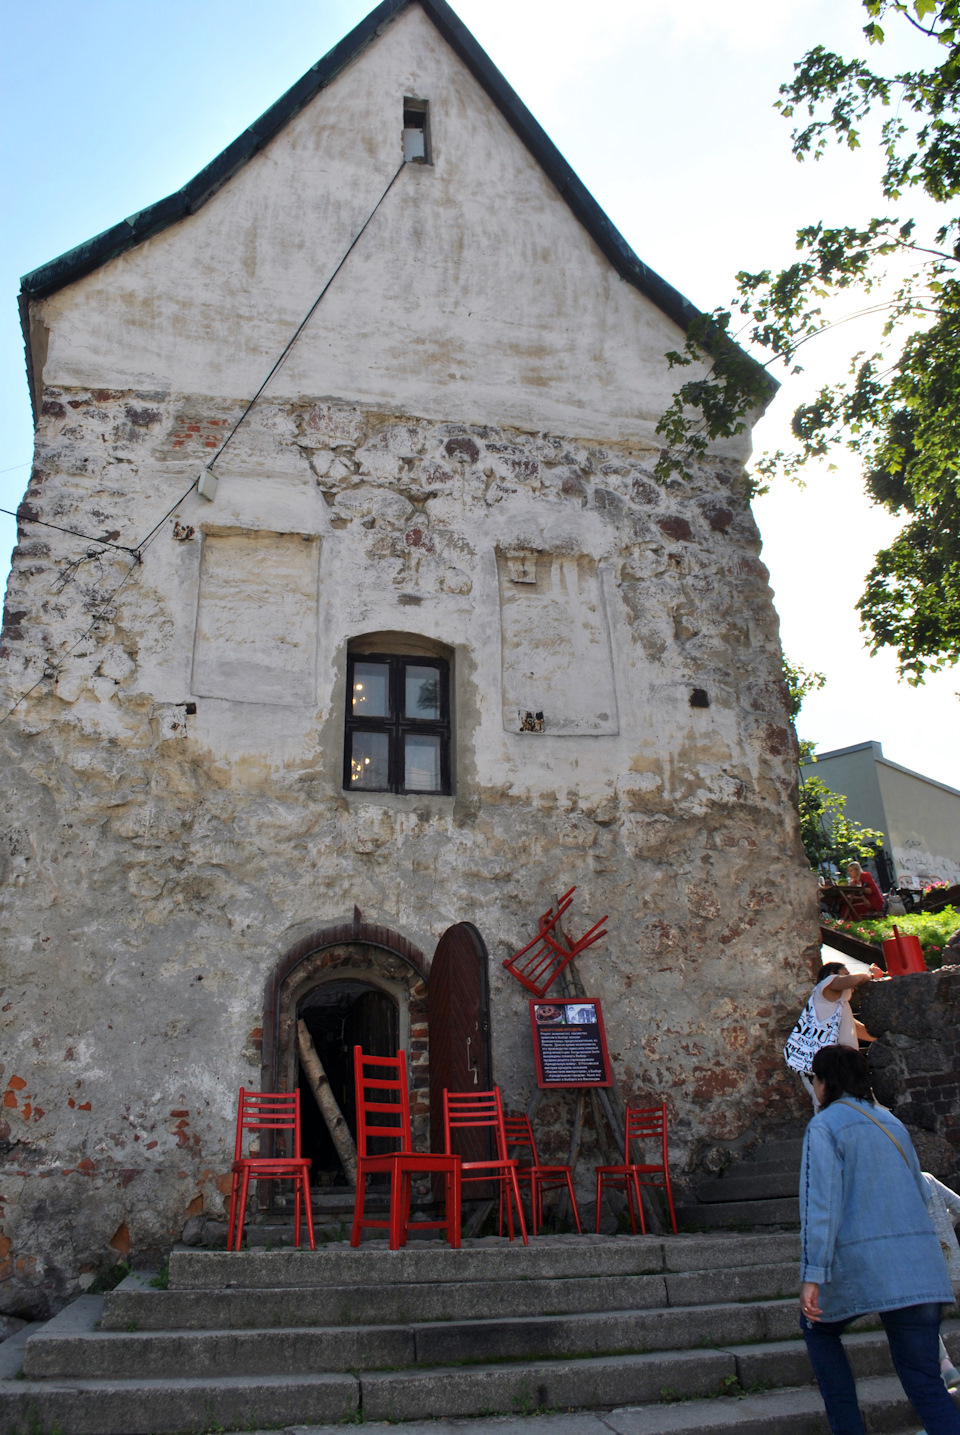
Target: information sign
pixel 569 1043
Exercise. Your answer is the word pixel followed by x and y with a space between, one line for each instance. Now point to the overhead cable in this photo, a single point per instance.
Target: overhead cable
pixel 297 332
pixel 29 518
pixel 137 551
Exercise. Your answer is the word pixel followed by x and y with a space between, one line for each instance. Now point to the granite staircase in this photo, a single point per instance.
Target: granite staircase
pixel 687 1333
pixel 759 1191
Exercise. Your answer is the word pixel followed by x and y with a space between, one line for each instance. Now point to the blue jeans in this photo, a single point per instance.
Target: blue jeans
pixel 913 1336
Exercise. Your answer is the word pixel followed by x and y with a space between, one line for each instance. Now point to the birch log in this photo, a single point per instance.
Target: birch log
pixel 327 1102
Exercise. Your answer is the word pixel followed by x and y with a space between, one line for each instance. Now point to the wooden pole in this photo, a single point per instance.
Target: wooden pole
pixel 609 1098
pixel 327 1102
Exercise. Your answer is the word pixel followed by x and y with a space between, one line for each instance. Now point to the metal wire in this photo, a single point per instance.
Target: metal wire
pixel 138 551
pixel 28 518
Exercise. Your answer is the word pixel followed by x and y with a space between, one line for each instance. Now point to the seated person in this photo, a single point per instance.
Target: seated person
pixel 869 900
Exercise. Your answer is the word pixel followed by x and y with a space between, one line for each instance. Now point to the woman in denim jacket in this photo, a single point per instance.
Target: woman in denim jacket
pixel 868 1244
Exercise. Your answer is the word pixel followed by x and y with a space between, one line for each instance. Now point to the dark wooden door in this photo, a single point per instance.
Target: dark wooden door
pixel 458 1015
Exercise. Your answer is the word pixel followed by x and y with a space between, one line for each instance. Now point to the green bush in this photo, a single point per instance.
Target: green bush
pixel 932 929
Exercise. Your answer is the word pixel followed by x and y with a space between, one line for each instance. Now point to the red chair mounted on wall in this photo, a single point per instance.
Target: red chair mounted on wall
pixel 383 1115
pixel 537 965
pixel 268 1112
pixel 642 1124
pixel 478 1110
pixel 538 1177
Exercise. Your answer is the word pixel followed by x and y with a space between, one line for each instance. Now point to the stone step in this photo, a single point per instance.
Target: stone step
pixel 159 1407
pixel 774 1211
pixel 763 1168
pixel 71 1347
pixel 135 1305
pixel 176 1407
pixel 75 1349
pixel 526 1387
pixel 789 1149
pixel 746 1186
pixel 131 1307
pixel 791 1411
pixel 668 1376
pixel 490 1259
pixel 328 1229
pixel 144 1406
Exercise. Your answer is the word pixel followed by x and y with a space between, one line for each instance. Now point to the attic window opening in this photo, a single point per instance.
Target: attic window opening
pixel 416 131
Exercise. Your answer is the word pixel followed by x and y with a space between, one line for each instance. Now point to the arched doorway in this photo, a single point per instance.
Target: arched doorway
pixel 340 1015
pixel 352 983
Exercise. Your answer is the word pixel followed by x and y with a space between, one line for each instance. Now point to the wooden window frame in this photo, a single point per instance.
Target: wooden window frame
pixel 397 725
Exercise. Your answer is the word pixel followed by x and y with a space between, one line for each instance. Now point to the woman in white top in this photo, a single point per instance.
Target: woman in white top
pixel 827 1020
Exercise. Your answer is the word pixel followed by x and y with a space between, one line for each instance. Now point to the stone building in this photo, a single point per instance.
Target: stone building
pixel 425 647
pixel 918 816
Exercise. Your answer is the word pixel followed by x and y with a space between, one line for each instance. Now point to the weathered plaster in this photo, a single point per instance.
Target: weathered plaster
pixel 159 862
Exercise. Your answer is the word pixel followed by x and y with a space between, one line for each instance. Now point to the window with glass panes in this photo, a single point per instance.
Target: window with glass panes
pixel 397 724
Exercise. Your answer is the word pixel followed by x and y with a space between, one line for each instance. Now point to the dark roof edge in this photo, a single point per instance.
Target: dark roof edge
pixel 567 183
pixel 90 255
pixel 86 257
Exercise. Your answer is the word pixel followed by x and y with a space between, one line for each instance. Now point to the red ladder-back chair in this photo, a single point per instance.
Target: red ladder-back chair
pixel 383 1114
pixel 259 1111
pixel 539 1178
pixel 463 1110
pixel 537 965
pixel 642 1124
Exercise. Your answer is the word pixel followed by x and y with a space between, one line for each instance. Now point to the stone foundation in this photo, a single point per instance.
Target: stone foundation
pixel 915 1061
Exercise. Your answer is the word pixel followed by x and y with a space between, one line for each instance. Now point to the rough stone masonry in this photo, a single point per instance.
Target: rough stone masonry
pixel 458 466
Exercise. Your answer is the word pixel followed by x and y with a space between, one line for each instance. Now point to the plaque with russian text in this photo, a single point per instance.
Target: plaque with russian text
pixel 569 1043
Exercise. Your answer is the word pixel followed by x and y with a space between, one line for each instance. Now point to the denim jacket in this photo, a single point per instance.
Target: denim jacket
pixel 867 1238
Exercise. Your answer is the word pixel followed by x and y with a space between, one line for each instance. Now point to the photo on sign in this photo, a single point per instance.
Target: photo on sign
pixel 548 1014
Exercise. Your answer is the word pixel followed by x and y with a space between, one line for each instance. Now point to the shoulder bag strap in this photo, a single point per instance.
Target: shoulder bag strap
pixel 877 1123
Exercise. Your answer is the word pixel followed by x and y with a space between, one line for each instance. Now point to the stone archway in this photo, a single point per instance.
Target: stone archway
pixel 356 951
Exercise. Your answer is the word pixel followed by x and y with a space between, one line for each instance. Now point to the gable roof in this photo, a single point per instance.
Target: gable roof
pixel 86 257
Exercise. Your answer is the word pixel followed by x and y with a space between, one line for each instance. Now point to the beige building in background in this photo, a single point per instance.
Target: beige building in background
pixel 427 647
pixel 918 816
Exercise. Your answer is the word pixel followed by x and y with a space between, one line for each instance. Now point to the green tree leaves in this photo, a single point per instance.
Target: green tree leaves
pixel 830 839
pixel 799 682
pixel 897 409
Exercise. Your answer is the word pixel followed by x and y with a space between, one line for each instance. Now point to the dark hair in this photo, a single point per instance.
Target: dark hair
pixel 844 1072
pixel 830 969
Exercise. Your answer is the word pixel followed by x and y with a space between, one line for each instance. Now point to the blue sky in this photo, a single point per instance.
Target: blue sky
pixel 666 116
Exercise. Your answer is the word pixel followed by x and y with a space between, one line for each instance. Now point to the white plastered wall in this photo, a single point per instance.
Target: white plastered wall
pixel 474 294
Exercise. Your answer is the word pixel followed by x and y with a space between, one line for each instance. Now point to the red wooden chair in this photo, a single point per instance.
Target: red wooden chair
pixel 470 1110
pixel 646 1124
pixel 268 1111
pixel 383 1115
pixel 537 965
pixel 539 1178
